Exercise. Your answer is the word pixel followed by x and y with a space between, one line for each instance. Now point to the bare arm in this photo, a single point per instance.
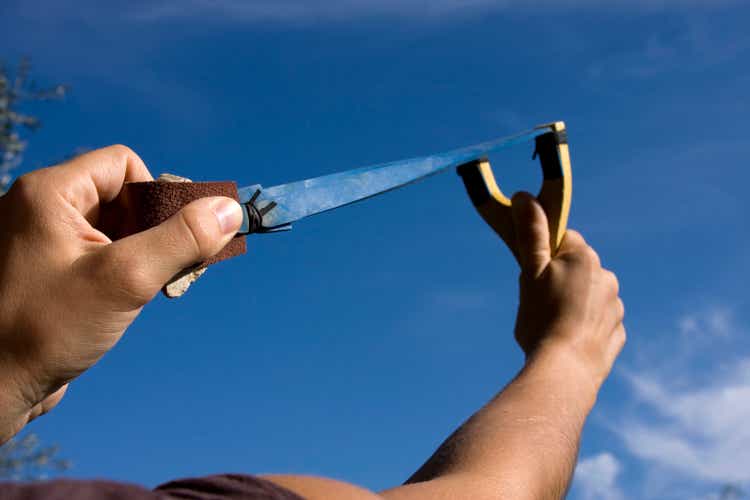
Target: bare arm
pixel 524 443
pixel 521 445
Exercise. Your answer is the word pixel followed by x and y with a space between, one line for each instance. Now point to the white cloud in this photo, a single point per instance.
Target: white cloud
pixel 335 10
pixel 701 432
pixel 694 48
pixel 297 10
pixel 284 10
pixel 596 478
pixel 693 419
pixel 712 322
pixel 687 421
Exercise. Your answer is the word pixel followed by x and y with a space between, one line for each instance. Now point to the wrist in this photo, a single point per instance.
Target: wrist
pixel 567 370
pixel 16 401
pixel 14 415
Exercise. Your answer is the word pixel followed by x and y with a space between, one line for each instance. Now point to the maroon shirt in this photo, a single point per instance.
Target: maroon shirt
pixel 224 487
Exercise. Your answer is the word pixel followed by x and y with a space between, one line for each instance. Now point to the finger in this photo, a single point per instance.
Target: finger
pixel 587 253
pixel 573 241
pixel 575 249
pixel 138 266
pixel 617 342
pixel 614 316
pixel 613 284
pixel 532 234
pixel 97 177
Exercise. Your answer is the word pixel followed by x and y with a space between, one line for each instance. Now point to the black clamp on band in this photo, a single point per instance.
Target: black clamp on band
pixel 549 156
pixel 255 215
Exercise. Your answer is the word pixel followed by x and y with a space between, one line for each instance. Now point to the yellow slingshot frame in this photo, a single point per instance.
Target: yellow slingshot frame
pixel 554 196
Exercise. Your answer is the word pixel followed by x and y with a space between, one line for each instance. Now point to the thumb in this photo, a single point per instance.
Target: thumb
pixel 532 234
pixel 141 264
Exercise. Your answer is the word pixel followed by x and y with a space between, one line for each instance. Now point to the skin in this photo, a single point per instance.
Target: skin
pixel 68 293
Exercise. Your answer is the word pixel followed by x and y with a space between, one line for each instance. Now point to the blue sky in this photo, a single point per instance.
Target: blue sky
pixel 353 345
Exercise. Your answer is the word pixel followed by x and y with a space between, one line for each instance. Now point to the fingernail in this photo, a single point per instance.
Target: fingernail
pixel 229 215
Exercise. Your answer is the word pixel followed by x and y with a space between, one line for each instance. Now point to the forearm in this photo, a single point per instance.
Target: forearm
pixel 523 443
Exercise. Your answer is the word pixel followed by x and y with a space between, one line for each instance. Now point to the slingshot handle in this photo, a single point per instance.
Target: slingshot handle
pixel 554 196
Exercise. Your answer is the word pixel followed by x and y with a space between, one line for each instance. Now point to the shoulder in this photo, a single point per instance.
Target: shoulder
pixel 320 488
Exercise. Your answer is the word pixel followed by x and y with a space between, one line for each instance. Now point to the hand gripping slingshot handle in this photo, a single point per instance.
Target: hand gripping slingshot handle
pixel 143 205
pixel 555 195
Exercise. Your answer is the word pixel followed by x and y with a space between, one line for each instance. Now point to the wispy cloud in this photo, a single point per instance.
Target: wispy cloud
pixel 699 433
pixel 693 427
pixel 295 10
pixel 714 321
pixel 304 11
pixel 298 10
pixel 596 478
pixel 693 48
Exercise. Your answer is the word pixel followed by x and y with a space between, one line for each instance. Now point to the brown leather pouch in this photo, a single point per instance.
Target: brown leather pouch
pixel 143 205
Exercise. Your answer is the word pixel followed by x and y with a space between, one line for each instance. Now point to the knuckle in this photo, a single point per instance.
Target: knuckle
pixel 189 232
pixel 120 154
pixel 585 261
pixel 614 283
pixel 573 236
pixel 25 187
pixel 592 257
pixel 28 193
pixel 622 337
pixel 571 241
pixel 31 200
pixel 120 151
pixel 117 275
pixel 134 287
pixel 198 232
pixel 577 250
